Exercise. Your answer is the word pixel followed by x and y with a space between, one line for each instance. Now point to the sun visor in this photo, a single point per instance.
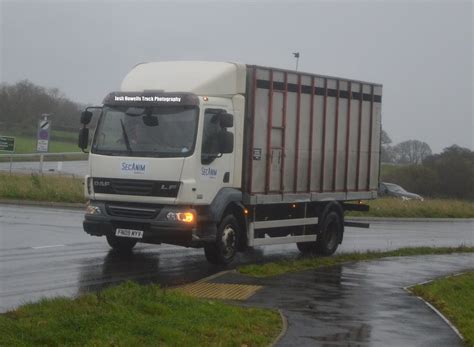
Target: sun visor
pixel 146 99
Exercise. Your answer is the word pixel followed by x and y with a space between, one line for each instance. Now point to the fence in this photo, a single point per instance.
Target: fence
pixel 35 162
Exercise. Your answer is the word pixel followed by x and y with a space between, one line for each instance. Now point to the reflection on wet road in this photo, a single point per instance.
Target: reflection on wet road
pixel 44 252
pixel 359 304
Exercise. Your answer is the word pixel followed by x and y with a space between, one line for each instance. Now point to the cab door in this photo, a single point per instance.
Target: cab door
pixel 215 168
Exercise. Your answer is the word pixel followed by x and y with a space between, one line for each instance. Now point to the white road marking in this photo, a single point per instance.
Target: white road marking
pixel 49 246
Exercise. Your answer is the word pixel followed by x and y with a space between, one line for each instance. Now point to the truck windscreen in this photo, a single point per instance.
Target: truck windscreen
pixel 150 132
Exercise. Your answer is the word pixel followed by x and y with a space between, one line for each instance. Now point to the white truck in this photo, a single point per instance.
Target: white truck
pixel 224 155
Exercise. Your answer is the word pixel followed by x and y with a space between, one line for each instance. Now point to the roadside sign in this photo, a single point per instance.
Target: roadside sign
pixel 44 129
pixel 7 144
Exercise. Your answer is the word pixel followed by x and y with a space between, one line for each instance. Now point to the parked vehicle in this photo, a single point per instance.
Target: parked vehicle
pixel 225 155
pixel 391 189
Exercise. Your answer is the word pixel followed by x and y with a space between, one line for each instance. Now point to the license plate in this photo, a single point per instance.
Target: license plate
pixel 136 234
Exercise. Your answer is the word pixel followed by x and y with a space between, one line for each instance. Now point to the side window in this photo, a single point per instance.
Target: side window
pixel 211 137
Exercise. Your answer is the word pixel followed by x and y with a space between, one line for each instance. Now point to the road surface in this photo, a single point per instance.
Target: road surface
pixel 44 253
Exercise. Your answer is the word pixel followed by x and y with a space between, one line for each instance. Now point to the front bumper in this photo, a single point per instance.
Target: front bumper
pixel 155 230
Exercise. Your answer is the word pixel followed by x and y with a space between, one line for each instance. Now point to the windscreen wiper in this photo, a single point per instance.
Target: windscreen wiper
pixel 125 137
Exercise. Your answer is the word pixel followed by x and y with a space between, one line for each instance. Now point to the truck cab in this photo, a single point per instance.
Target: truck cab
pixel 160 158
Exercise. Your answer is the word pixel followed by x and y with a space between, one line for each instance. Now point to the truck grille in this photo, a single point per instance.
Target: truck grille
pixel 132 212
pixel 132 187
pixel 121 186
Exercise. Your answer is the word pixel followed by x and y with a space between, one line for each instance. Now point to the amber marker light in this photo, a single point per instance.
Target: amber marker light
pixel 187 217
pixel 205 98
pixel 246 212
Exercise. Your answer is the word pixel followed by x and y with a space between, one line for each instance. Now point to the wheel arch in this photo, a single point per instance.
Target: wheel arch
pixel 229 201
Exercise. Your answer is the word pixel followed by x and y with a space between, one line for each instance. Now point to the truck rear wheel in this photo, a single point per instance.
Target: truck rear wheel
pixel 328 239
pixel 121 244
pixel 306 247
pixel 224 249
pixel 330 235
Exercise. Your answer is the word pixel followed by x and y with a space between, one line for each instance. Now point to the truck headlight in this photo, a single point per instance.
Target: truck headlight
pixel 186 217
pixel 93 210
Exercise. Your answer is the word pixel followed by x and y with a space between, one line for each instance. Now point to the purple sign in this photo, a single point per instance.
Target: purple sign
pixel 43 134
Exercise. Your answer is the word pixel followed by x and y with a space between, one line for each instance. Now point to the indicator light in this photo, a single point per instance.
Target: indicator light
pixel 186 217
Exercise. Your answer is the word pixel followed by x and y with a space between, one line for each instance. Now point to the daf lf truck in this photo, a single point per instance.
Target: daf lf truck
pixel 226 156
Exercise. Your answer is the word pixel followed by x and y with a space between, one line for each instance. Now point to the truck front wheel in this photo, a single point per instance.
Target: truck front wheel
pixel 227 239
pixel 121 244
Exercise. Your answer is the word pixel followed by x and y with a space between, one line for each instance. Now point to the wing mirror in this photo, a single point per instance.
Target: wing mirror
pixel 226 120
pixel 83 140
pixel 86 117
pixel 227 142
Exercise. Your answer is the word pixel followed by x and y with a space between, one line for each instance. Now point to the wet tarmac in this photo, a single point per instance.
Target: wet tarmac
pixel 359 304
pixel 44 252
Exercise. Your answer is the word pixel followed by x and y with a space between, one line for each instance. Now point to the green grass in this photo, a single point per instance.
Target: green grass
pixel 454 297
pixel 61 189
pixel 27 144
pixel 41 188
pixel 305 263
pixel 66 136
pixel 430 208
pixel 60 142
pixel 134 315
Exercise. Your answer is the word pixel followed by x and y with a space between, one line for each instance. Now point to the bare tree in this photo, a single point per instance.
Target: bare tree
pixel 411 152
pixel 22 104
pixel 387 153
pixel 385 139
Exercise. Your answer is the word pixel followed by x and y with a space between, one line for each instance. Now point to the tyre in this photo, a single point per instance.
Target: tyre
pixel 227 239
pixel 331 231
pixel 121 244
pixel 306 247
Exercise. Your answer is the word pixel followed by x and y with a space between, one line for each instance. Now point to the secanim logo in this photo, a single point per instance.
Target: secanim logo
pixel 208 172
pixel 133 167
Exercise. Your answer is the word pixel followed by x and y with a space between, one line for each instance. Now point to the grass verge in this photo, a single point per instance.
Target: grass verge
pixel 430 208
pixel 305 263
pixel 62 189
pixel 27 144
pixel 135 315
pixel 51 157
pixel 454 297
pixel 60 142
pixel 41 188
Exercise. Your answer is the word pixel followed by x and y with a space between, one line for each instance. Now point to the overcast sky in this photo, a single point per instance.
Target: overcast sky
pixel 422 52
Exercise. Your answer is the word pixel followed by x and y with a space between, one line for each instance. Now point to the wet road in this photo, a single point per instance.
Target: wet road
pixel 359 304
pixel 44 252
